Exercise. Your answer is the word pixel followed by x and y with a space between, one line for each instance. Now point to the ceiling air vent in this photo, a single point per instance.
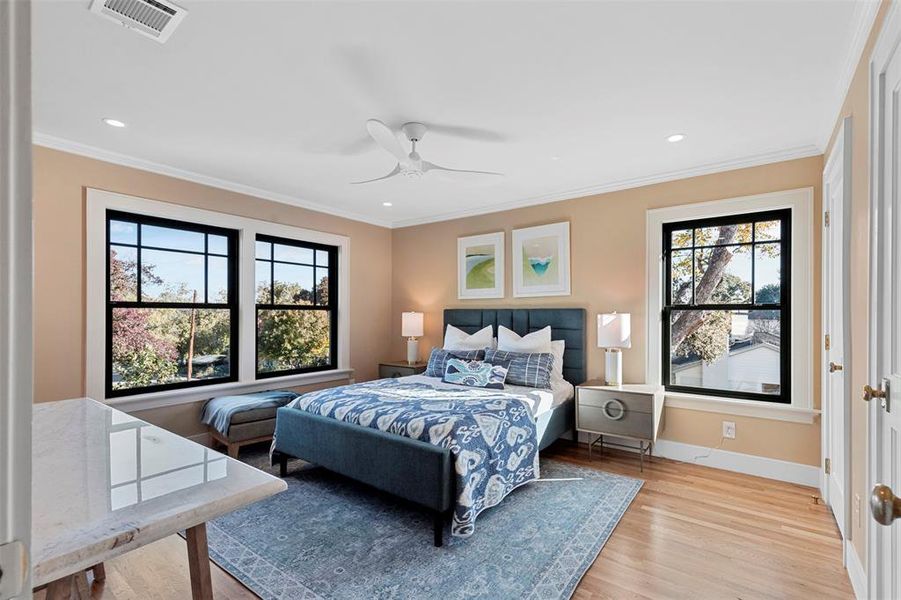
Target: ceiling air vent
pixel 155 19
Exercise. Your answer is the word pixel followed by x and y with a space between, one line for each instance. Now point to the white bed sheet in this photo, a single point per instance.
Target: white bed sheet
pixel 539 401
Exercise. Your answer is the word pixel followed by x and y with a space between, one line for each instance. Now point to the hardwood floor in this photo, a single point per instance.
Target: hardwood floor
pixel 692 532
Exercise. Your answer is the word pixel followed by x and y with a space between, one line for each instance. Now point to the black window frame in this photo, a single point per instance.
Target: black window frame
pixel 784 305
pixel 331 306
pixel 232 237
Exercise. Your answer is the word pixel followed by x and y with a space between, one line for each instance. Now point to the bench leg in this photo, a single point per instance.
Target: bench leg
pixel 438 528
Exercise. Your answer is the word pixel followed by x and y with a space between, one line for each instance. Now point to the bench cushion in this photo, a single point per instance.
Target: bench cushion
pixel 256 414
pixel 224 411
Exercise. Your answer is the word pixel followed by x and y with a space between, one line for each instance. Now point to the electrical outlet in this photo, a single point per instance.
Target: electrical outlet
pixel 729 430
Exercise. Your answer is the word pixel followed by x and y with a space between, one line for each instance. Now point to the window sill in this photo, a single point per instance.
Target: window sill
pixel 745 408
pixel 198 394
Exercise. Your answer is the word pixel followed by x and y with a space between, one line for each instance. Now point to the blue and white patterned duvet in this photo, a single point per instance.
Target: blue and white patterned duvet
pixel 491 434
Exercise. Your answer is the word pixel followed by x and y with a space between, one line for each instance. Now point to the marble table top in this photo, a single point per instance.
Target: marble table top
pixel 105 483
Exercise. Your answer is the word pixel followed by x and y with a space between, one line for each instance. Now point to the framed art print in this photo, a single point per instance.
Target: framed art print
pixel 541 261
pixel 480 266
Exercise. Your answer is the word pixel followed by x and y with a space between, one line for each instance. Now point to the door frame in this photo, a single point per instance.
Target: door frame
pixel 839 158
pixel 15 298
pixel 886 45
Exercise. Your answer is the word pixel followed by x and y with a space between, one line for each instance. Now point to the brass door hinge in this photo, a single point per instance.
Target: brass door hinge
pixel 826 218
pixel 828 466
pixel 828 342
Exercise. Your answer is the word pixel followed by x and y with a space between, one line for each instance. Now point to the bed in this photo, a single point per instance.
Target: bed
pixel 419 471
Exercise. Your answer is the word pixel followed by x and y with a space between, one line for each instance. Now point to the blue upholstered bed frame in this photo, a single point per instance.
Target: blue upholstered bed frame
pixel 411 469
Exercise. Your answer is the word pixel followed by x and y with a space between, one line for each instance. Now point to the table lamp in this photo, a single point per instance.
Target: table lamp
pixel 411 328
pixel 614 334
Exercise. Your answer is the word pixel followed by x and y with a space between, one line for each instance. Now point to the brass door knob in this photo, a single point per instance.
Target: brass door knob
pixel 884 505
pixel 833 367
pixel 870 392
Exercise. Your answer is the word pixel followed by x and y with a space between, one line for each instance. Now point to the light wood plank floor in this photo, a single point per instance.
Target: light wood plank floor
pixel 692 532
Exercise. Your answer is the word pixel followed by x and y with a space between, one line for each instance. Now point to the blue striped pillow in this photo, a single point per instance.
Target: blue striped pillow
pixel 528 369
pixel 439 357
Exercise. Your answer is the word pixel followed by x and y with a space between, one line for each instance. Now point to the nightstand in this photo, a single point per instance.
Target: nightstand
pixel 401 368
pixel 629 411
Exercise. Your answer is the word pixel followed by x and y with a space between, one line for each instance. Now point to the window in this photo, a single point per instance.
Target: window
pixel 171 304
pixel 296 306
pixel 726 306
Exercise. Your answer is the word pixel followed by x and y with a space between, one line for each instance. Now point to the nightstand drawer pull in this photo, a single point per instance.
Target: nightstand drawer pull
pixel 618 411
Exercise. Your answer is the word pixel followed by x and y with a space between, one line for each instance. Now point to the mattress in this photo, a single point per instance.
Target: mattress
pixel 539 401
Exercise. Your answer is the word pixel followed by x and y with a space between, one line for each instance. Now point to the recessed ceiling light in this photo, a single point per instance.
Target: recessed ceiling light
pixel 676 137
pixel 114 122
pixel 387 204
pixel 555 158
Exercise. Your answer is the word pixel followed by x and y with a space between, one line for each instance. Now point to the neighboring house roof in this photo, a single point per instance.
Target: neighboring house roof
pixel 757 340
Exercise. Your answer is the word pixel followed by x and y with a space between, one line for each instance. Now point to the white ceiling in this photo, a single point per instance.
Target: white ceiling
pixel 272 97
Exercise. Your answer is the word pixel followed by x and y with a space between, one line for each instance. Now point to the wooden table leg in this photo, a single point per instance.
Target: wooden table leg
pixel 199 563
pixel 99 572
pixel 81 589
pixel 70 587
pixel 61 589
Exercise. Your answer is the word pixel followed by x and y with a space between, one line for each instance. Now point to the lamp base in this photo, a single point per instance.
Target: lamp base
pixel 412 350
pixel 613 371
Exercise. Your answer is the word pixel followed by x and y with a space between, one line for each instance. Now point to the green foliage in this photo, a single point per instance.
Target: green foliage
pixel 293 339
pixel 710 341
pixel 143 366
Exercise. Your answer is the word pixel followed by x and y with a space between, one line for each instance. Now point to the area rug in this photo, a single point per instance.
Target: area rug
pixel 331 538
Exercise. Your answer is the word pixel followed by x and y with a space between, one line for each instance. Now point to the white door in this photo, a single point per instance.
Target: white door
pixel 835 378
pixel 15 298
pixel 885 316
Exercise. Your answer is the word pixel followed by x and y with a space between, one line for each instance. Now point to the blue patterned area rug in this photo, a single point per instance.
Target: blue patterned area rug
pixel 329 537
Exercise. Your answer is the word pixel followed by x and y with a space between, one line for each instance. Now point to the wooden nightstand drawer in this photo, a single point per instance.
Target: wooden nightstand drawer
pixel 615 419
pixel 388 370
pixel 599 398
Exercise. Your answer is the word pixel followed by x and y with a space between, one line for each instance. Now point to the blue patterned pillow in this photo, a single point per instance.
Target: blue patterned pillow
pixel 528 369
pixel 475 373
pixel 439 357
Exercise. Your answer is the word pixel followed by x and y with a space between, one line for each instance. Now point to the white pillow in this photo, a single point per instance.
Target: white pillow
pixel 457 339
pixel 557 348
pixel 537 341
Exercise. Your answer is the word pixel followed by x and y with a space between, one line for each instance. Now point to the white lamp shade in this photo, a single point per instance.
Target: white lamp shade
pixel 411 324
pixel 615 330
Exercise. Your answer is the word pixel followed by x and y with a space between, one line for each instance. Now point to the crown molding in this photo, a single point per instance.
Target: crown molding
pixel 623 184
pixel 64 145
pixel 57 143
pixel 862 22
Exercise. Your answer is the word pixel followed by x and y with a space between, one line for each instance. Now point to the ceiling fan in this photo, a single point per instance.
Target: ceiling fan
pixel 411 165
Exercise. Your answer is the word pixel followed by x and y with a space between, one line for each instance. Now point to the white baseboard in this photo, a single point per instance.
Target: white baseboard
pixel 201 438
pixel 856 572
pixel 771 468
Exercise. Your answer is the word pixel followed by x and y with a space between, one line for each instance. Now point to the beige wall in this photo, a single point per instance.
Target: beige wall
pixel 857 106
pixel 60 180
pixel 607 234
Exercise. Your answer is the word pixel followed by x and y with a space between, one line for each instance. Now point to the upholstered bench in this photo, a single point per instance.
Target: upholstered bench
pixel 236 421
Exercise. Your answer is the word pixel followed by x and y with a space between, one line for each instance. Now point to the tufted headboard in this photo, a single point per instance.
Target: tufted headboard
pixel 566 324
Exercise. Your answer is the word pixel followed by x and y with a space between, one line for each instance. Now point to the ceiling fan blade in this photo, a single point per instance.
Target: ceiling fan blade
pixel 460 173
pixel 395 171
pixel 387 139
